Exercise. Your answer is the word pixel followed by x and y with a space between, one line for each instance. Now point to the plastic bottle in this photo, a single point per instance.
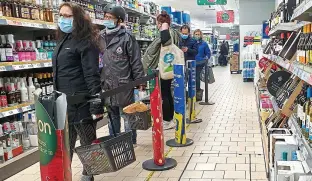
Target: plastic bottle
pixel 27 51
pixel 31 89
pixel 24 92
pixel 32 50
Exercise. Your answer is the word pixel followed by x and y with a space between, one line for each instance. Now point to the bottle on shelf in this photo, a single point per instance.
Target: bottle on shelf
pixel 11 95
pixel 42 84
pixel 27 51
pixel 31 89
pixel 2 49
pixel 24 92
pixel 9 48
pixel 3 96
pixel 306 45
pixel 18 93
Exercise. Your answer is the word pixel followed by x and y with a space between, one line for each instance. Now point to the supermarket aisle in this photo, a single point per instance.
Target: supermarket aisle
pixel 228 139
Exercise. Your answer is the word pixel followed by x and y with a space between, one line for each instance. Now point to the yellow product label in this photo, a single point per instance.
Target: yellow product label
pixel 180 136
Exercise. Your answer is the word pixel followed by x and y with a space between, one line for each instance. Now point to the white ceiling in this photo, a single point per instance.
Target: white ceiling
pixel 201 16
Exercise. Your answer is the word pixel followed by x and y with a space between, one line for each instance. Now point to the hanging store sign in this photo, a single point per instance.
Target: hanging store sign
pixel 225 16
pixel 211 2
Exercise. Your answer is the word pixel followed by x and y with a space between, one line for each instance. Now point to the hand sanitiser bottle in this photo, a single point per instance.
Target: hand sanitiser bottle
pixel 24 92
pixel 31 89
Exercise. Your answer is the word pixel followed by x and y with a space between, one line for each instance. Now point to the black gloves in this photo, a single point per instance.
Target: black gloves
pixel 96 107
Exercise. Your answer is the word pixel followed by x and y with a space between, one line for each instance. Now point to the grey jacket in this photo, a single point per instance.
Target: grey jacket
pixel 121 64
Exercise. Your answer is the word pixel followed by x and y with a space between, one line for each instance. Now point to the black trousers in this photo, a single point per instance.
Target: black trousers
pixel 86 132
pixel 167 104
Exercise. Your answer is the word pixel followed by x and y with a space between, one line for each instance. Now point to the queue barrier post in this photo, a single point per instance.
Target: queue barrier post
pixel 179 109
pixel 192 93
pixel 159 162
pixel 206 102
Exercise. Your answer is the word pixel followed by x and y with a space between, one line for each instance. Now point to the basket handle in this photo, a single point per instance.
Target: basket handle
pixel 87 120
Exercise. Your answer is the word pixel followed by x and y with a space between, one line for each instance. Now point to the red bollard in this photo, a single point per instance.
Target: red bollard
pixel 159 162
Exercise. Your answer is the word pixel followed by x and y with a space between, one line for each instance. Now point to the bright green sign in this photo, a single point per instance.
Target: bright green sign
pixel 225 17
pixel 46 135
pixel 211 2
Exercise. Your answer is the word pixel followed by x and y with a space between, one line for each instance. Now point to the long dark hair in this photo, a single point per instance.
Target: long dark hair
pixel 83 27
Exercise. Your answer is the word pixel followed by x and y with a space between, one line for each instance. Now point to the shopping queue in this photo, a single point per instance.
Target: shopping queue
pixel 75 66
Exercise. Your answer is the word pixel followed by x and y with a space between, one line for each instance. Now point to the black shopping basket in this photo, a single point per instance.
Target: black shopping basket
pixel 110 154
pixel 141 120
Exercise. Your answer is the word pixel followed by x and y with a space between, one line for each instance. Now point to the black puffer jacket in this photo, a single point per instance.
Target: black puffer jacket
pixel 76 67
pixel 121 64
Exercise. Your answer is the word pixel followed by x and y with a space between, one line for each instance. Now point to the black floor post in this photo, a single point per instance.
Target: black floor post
pixel 206 88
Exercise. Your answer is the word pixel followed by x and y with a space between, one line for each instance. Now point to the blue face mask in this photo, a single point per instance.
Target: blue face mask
pixel 65 24
pixel 110 24
pixel 184 37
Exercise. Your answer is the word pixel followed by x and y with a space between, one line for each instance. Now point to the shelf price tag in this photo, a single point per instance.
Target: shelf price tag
pixel 37 65
pixel 19 67
pixel 53 27
pixel 2 68
pixel 29 66
pixel 10 113
pixel 26 108
pixel 14 23
pixel 48 64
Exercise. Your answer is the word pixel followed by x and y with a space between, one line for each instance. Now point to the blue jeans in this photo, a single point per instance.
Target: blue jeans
pixel 116 114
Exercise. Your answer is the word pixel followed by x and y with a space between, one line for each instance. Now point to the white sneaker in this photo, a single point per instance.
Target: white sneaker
pixel 169 125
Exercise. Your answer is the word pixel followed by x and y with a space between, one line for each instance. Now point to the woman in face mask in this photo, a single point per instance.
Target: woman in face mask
pixel 151 60
pixel 75 65
pixel 201 58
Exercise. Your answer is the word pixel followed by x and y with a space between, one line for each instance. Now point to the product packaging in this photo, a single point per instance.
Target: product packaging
pixel 53 137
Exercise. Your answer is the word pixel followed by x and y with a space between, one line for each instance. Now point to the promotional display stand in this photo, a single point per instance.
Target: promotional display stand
pixel 179 109
pixel 192 93
pixel 206 88
pixel 53 138
pixel 159 162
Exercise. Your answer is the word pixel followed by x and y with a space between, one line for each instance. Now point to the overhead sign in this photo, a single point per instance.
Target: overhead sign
pixel 211 2
pixel 225 16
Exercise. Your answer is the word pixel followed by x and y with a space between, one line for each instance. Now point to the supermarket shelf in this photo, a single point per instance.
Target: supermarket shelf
pixel 12 66
pixel 10 111
pixel 274 104
pixel 303 12
pixel 302 71
pixel 303 143
pixel 10 21
pixel 28 158
pixel 19 163
pixel 291 26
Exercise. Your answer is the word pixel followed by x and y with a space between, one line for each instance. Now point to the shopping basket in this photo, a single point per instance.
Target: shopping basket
pixel 109 154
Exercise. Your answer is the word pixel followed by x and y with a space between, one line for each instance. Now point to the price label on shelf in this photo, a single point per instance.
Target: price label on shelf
pixel 10 113
pixel 14 23
pixel 51 26
pixel 26 108
pixel 19 67
pixel 29 66
pixel 37 65
pixel 48 64
pixel 2 68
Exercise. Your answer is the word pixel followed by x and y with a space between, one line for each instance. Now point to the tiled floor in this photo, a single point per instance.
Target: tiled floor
pixel 227 144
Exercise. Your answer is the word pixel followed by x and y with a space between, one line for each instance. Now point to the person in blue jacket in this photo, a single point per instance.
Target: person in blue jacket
pixel 201 58
pixel 188 45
